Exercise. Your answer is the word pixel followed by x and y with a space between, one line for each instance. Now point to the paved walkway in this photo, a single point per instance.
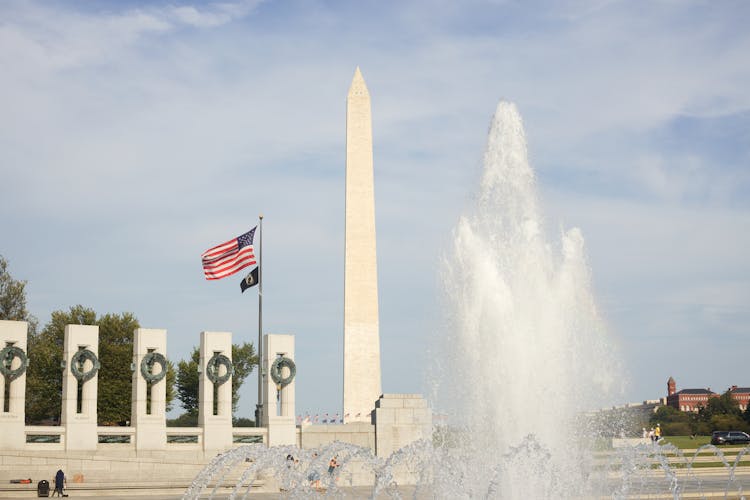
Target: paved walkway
pixel 709 486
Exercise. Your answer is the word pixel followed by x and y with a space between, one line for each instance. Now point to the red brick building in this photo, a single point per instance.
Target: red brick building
pixel 741 395
pixel 693 399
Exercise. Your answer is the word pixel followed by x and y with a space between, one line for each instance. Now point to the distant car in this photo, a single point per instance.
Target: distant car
pixel 730 437
pixel 717 437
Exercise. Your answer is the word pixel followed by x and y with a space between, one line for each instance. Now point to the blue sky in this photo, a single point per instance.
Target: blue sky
pixel 135 135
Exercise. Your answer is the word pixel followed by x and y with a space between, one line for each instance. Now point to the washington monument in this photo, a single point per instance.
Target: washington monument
pixel 361 327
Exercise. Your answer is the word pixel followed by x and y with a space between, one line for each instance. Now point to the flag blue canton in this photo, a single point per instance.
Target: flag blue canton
pixel 246 239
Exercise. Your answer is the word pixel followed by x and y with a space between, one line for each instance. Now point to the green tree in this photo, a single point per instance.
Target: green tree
pixel 187 419
pixel 44 376
pixel 701 428
pixel 717 409
pixel 44 380
pixel 668 415
pixel 242 422
pixel 721 413
pixel 724 405
pixel 727 422
pixel 243 360
pixel 677 429
pixel 673 422
pixel 13 298
pixel 115 377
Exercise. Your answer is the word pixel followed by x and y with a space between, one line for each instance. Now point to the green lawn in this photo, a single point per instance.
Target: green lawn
pixel 703 465
pixel 687 442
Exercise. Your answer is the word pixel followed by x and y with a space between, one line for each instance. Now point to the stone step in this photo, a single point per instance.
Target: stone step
pixel 137 488
pixel 105 475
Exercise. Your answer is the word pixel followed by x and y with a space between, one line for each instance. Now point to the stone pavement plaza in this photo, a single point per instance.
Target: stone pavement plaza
pixel 712 487
pixel 349 492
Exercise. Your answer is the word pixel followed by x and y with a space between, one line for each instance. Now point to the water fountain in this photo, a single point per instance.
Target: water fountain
pixel 524 353
pixel 525 350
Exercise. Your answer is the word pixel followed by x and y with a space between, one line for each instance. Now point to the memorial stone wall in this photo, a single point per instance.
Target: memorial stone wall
pixel 397 419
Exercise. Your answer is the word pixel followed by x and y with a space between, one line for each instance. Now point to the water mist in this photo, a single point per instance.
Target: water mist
pixel 524 350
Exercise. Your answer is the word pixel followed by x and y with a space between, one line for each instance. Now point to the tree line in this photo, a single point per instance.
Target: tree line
pixel 45 351
pixel 721 413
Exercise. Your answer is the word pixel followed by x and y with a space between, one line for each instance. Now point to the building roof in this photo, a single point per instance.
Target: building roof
pixel 695 391
pixel 742 390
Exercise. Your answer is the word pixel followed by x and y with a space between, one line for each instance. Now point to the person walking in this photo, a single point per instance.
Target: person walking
pixel 314 475
pixel 332 465
pixel 60 483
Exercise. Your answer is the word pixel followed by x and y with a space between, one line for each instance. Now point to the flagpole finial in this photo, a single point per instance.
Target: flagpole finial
pixel 260 216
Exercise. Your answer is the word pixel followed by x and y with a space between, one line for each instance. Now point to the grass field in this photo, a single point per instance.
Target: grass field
pixel 687 442
pixel 692 443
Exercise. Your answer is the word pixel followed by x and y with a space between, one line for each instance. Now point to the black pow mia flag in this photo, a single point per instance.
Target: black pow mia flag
pixel 250 280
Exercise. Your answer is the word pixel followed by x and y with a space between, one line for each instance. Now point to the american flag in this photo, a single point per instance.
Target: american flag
pixel 228 258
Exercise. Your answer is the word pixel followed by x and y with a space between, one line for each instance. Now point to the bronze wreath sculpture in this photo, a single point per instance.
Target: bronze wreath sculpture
pixel 147 365
pixel 212 369
pixel 6 360
pixel 276 368
pixel 77 362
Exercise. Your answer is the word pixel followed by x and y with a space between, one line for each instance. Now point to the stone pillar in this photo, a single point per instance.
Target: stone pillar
pixel 12 436
pixel 361 324
pixel 280 411
pixel 149 420
pixel 217 428
pixel 400 419
pixel 80 426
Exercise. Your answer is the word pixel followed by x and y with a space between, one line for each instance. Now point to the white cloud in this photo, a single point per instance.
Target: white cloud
pixel 214 15
pixel 146 134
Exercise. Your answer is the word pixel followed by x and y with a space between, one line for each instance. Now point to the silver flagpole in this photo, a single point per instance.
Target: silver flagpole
pixel 259 406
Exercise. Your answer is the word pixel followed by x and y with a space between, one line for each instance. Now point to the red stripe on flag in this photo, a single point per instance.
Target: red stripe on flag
pixel 226 259
pixel 225 268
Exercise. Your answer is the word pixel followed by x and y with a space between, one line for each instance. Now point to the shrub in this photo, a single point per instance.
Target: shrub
pixel 676 429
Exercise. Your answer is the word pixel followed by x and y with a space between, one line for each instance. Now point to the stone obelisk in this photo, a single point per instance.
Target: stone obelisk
pixel 361 326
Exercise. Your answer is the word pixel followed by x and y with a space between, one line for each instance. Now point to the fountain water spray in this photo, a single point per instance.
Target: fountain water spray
pixel 525 350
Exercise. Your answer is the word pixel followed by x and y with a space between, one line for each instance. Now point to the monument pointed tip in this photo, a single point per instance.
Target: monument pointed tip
pixel 358 87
